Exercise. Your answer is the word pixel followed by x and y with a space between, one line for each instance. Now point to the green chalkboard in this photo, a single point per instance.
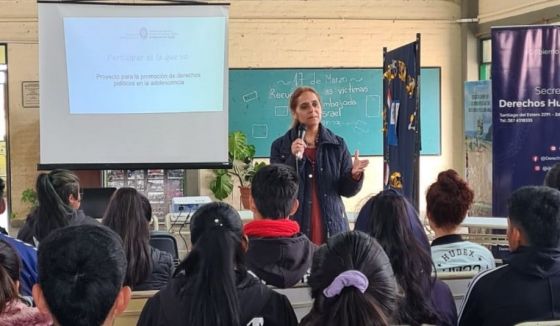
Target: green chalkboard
pixel 351 101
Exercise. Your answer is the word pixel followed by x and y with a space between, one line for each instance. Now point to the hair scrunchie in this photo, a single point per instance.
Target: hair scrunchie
pixel 345 279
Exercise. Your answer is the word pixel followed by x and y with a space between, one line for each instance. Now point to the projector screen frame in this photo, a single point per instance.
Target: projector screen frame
pixel 134 166
pixel 147 3
pixel 101 165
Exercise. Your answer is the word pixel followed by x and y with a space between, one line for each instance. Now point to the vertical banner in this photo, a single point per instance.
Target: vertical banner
pixel 526 108
pixel 401 119
pixel 478 144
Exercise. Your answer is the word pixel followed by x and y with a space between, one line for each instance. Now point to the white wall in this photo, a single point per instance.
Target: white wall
pixel 493 10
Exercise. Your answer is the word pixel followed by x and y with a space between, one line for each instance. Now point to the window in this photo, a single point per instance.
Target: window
pixel 485 67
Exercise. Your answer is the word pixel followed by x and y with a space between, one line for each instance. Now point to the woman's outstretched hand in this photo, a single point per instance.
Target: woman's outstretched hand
pixel 358 166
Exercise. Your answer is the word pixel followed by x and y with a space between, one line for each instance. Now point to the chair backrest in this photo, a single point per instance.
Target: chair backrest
pixel 300 298
pixel 165 241
pixel 131 314
pixel 540 323
pixel 458 283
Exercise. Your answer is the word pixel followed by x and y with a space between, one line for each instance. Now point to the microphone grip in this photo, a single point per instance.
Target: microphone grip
pixel 299 155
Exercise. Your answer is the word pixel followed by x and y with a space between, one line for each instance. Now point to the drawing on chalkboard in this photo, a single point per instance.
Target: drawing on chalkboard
pixel 331 123
pixel 298 79
pixel 352 109
pixel 259 130
pixel 373 106
pixel 251 96
pixel 280 111
pixel 361 126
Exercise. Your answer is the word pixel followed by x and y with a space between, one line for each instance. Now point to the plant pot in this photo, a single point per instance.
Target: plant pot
pixel 245 197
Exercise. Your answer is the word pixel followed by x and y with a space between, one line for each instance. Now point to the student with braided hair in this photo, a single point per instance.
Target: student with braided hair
pixel 211 286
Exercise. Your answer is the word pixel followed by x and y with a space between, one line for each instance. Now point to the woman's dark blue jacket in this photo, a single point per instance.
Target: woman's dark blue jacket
pixel 334 179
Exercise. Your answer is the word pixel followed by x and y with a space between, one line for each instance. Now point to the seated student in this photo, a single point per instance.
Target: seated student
pixel 526 289
pixel 279 253
pixel 447 202
pixel 148 268
pixel 13 310
pixel 58 194
pixel 352 283
pixel 211 286
pixel 389 220
pixel 26 253
pixel 81 275
pixel 552 177
pixel 364 220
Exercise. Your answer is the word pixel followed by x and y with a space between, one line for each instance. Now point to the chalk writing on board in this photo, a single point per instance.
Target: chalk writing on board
pixel 338 103
pixel 273 93
pixel 351 98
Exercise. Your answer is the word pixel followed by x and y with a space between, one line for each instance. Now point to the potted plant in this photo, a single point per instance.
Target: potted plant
pixel 241 155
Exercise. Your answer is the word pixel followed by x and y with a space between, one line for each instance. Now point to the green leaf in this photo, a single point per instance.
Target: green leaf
pixel 222 186
pixel 241 155
pixel 29 196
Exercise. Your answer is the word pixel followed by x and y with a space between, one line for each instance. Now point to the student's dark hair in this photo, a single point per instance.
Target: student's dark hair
pixel 295 97
pixel 125 215
pixel 552 177
pixel 536 210
pixel 217 253
pixel 10 266
pixel 2 187
pixel 81 271
pixel 53 191
pixel 448 199
pixel 389 223
pixel 274 189
pixel 146 206
pixel 352 251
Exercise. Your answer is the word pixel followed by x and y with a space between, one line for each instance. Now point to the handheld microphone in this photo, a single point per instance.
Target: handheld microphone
pixel 301 134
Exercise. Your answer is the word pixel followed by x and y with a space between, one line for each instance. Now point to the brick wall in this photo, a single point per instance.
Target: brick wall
pixel 278 33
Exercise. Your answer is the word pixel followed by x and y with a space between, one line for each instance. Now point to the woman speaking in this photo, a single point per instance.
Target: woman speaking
pixel 324 166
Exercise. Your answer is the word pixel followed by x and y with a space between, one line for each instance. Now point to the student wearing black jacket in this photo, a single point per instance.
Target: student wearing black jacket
pixel 59 199
pixel 148 268
pixel 279 253
pixel 212 285
pixel 527 287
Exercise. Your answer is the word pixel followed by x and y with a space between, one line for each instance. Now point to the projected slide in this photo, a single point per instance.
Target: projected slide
pixel 145 65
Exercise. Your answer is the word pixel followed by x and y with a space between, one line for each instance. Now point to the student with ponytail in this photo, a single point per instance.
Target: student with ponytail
pixel 352 283
pixel 211 286
pixel 14 311
pixel 58 194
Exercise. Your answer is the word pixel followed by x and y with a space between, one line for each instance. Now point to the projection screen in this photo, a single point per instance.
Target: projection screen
pixel 130 86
